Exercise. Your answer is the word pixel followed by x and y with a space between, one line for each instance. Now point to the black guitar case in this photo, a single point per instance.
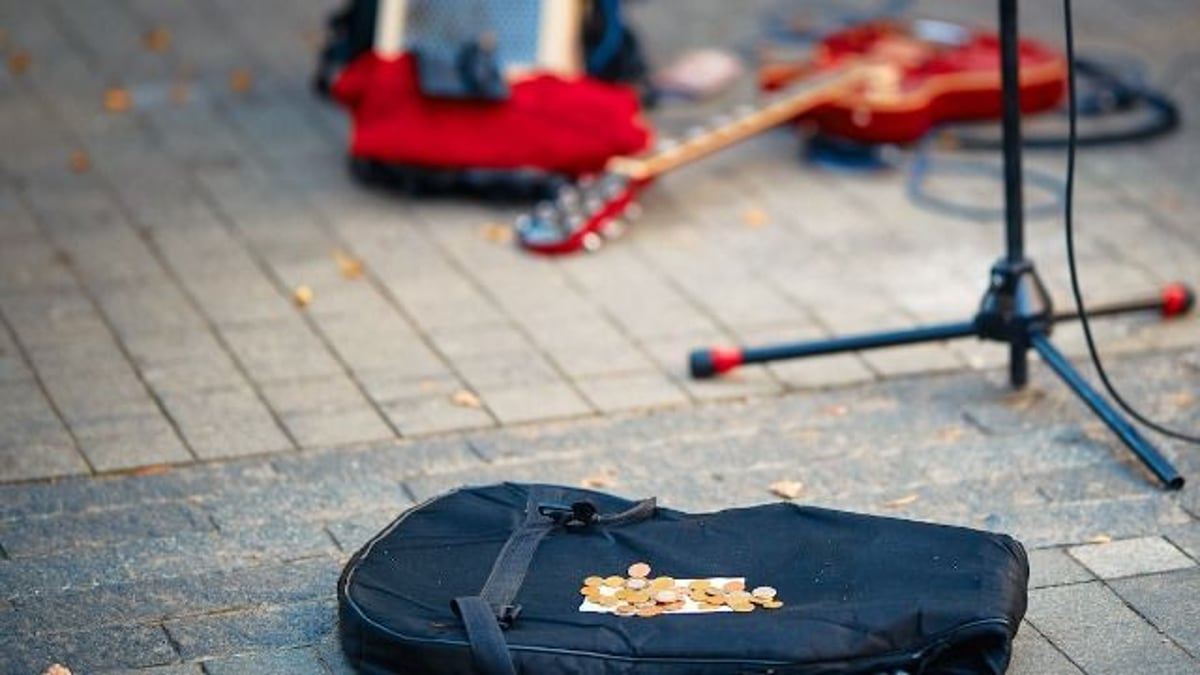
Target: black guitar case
pixel 488 580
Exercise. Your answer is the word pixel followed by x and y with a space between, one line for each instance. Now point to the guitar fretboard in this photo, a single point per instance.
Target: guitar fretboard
pixel 723 133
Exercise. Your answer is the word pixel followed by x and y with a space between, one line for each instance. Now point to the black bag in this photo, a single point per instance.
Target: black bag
pixel 487 580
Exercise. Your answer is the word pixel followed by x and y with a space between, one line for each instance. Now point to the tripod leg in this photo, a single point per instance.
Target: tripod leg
pixel 1147 453
pixel 709 362
pixel 1018 363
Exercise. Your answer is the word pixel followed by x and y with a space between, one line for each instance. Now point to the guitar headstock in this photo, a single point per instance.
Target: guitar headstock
pixel 582 215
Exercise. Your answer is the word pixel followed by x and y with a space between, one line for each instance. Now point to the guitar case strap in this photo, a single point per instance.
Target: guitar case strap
pixel 487 615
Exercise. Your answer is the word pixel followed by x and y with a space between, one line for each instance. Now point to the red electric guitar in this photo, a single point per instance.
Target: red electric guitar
pixel 875 83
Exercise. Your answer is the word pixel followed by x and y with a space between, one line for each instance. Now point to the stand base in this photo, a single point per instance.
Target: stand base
pixel 1015 310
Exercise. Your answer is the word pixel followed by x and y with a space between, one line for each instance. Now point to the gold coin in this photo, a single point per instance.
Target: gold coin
pixel 738 596
pixel 662 582
pixel 715 600
pixel 639 570
pixel 649 611
pixel 764 592
pixel 622 594
pixel 673 607
pixel 614 581
pixel 699 584
pixel 734 585
pixel 589 591
pixel 637 596
pixel 756 600
pixel 593 581
pixel 625 610
pixel 666 596
pixel 608 601
pixel 743 608
pixel 772 604
pixel 636 584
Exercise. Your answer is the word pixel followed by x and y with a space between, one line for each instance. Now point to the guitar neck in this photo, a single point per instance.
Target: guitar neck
pixel 795 101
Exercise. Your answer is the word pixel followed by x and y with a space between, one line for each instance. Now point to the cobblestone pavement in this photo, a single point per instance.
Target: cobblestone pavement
pixel 189 457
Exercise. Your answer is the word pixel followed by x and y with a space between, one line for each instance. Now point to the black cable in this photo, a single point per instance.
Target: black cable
pixel 1069 199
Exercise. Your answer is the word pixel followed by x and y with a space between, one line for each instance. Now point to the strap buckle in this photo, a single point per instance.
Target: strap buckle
pixel 577 515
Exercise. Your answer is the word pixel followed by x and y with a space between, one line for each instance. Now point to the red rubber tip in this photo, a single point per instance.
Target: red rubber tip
pixel 1177 299
pixel 725 359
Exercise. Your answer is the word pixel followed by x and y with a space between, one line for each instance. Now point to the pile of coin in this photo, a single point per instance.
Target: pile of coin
pixel 638 594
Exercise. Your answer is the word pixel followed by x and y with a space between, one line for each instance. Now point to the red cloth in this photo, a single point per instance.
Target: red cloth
pixel 570 126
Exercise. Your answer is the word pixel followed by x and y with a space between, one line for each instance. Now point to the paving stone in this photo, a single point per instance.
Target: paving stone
pixel 635 391
pixel 297 661
pixel 353 533
pixel 125 442
pixel 1033 655
pixel 1053 567
pixel 233 632
pixel 535 402
pixel 280 350
pixel 225 423
pixel 1187 539
pixel 86 651
pixel 154 600
pixel 29 536
pixel 386 385
pixel 334 428
pixel 1131 557
pixel 435 414
pixel 1072 616
pixel 174 555
pixel 178 669
pixel 1163 599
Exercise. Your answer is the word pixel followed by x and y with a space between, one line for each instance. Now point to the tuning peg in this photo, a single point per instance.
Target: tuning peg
pixel 592 242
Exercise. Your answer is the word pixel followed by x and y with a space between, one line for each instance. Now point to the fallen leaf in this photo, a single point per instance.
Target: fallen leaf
pixel 1182 399
pixel 788 489
pixel 755 218
pixel 302 296
pixel 950 434
pixel 349 266
pixel 600 482
pixel 157 39
pixel 80 162
pixel 497 232
pixel 1100 539
pixel 836 410
pixel 180 93
pixel 152 470
pixel 57 669
pixel 117 100
pixel 241 80
pixel 18 62
pixel 901 502
pixel 466 399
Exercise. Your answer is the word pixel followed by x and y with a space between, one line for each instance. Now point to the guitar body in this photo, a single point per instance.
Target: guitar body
pixel 939 73
pixel 872 83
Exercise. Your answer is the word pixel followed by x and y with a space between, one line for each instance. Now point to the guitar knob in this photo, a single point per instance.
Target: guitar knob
pixel 592 242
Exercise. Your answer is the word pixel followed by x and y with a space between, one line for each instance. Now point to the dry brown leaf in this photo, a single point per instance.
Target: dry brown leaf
pixel 1100 539
pixel 157 39
pixel 57 669
pixel 901 502
pixel 241 80
pixel 788 489
pixel 302 296
pixel 1182 399
pixel 18 62
pixel 349 266
pixel 599 482
pixel 466 399
pixel 117 100
pixel 951 434
pixel 755 218
pixel 496 232
pixel 152 470
pixel 180 93
pixel 80 162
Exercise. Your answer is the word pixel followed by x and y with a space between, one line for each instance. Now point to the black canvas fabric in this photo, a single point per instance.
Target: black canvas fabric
pixel 862 594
